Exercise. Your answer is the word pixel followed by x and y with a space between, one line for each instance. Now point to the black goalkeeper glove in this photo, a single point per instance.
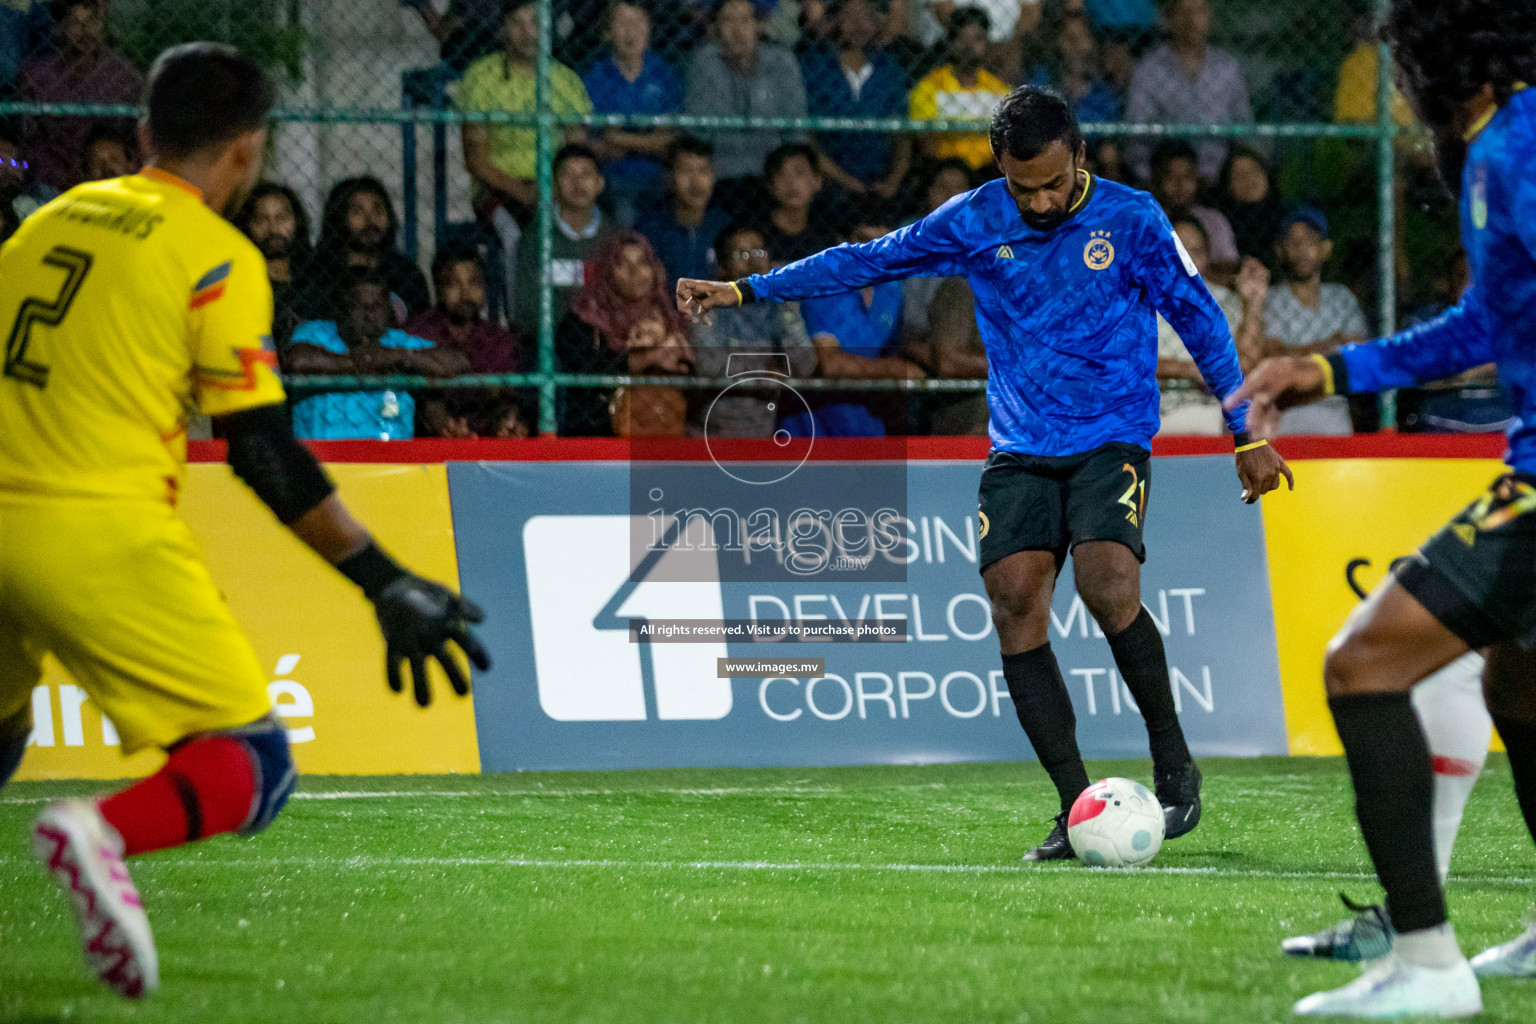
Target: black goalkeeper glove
pixel 417 617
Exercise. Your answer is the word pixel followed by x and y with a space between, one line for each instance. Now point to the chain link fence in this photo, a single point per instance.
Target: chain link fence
pixel 475 210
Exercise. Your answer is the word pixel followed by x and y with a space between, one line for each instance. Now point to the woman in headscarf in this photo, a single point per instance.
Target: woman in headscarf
pixel 623 322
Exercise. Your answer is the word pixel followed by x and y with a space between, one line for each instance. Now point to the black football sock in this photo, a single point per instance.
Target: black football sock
pixel 1045 711
pixel 1139 655
pixel 1520 740
pixel 1390 765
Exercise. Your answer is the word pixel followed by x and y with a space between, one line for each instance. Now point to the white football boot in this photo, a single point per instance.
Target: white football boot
pixel 85 856
pixel 1514 959
pixel 1393 988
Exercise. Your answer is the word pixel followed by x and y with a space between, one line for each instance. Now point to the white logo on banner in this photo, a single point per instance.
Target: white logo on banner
pixel 581 599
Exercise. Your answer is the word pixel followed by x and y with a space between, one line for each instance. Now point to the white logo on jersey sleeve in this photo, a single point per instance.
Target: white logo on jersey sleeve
pixel 1189 264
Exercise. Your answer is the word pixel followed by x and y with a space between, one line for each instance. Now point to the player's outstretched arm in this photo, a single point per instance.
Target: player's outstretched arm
pixel 928 248
pixel 1278 384
pixel 696 298
pixel 418 616
pixel 1456 340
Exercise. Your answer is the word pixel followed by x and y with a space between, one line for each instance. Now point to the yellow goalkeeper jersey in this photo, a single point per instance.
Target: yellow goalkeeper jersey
pixel 127 306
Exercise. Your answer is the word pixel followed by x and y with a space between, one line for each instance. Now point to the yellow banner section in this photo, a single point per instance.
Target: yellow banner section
pixel 1344 510
pixel 313 629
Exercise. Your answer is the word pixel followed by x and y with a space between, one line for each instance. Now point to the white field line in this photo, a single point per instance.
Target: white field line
pixel 403 863
pixel 382 794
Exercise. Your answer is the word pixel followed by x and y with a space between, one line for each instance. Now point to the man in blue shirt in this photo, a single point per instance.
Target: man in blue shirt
pixel 683 228
pixel 1069 273
pixel 856 335
pixel 362 341
pixel 856 78
pixel 1472 586
pixel 632 79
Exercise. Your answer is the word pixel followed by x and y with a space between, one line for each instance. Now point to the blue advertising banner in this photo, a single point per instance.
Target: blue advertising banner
pixel 568 560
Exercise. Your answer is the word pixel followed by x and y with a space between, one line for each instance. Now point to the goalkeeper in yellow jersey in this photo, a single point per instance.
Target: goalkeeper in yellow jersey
pixel 127 306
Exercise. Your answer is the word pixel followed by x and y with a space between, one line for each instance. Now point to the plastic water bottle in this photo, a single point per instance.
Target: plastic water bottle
pixel 389 409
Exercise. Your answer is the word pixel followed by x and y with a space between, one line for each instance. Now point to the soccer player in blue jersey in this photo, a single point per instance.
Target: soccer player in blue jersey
pixel 1472 586
pixel 1069 273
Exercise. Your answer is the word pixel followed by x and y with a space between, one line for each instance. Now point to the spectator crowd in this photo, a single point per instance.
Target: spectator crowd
pixel 636 208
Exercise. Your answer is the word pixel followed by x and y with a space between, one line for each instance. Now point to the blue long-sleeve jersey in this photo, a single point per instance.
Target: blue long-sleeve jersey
pixel 1068 316
pixel 1495 321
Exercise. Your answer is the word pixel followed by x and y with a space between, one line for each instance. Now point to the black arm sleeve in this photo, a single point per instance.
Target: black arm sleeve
pixel 264 453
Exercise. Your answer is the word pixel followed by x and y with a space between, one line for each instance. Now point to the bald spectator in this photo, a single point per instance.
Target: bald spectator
pixel 1188 81
pixel 79 68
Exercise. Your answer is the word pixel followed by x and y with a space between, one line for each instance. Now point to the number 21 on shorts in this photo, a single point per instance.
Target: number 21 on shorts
pixel 1135 497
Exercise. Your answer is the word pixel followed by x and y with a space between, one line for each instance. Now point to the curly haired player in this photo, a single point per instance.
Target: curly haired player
pixel 130 304
pixel 1472 586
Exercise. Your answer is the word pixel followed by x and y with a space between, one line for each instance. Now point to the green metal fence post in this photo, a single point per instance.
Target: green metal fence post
pixel 1386 176
pixel 544 155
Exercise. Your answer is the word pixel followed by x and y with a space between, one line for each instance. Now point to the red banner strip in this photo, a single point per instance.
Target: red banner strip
pixel 952 449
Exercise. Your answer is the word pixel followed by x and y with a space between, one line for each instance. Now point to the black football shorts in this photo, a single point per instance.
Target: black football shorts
pixel 1477 576
pixel 1054 503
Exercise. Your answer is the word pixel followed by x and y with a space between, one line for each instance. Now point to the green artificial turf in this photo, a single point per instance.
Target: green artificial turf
pixel 890 894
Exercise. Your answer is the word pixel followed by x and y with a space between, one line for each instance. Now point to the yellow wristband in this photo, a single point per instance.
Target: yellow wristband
pixel 1251 447
pixel 739 300
pixel 1327 368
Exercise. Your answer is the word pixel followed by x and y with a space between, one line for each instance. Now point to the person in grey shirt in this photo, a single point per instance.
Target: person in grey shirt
pixel 1305 316
pixel 737 75
pixel 1187 81
pixel 766 340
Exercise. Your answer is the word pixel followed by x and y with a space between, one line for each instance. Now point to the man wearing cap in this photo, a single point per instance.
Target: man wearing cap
pixel 1303 315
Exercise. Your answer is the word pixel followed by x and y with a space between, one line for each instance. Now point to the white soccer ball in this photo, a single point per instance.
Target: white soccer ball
pixel 1115 823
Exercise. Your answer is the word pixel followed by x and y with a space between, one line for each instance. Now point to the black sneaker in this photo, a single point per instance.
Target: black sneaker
pixel 1366 936
pixel 1179 793
pixel 1056 846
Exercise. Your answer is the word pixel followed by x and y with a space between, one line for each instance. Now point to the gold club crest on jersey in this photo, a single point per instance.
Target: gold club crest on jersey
pixel 1098 253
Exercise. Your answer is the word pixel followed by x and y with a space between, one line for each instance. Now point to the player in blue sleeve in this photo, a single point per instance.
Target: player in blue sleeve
pixel 1472 586
pixel 1069 272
